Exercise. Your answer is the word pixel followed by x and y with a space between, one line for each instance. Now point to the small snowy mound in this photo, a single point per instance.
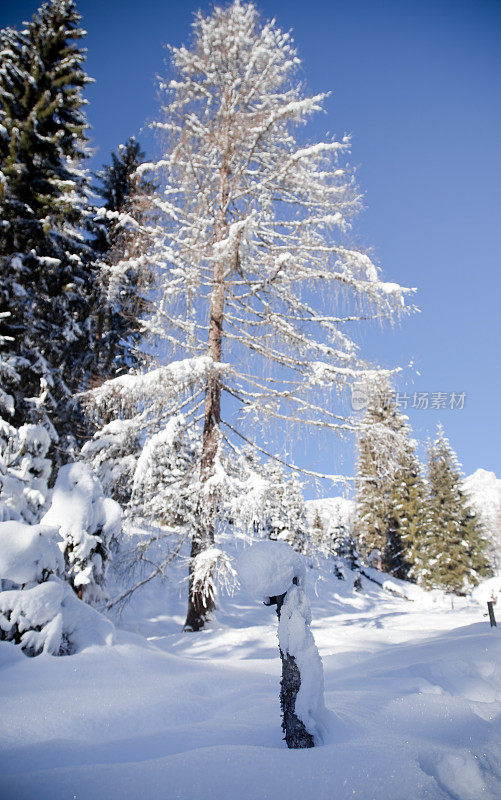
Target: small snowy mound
pixel 267 569
pixel 488 590
pixel 49 618
pixel 27 552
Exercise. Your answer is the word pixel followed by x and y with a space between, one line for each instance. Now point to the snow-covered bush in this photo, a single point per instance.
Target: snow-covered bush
pixel 38 610
pixel 274 572
pixel 87 523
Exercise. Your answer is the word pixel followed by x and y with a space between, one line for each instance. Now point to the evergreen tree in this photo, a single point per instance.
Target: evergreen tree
pixel 166 479
pixel 123 300
pixel 283 512
pixel 45 275
pixel 456 545
pixel 390 488
pixel 317 533
pixel 113 453
pixel 89 524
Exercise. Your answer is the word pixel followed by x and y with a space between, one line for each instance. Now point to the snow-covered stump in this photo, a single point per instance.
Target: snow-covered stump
pixel 274 572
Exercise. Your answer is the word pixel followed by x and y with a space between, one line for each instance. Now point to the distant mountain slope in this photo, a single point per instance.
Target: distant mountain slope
pixel 334 512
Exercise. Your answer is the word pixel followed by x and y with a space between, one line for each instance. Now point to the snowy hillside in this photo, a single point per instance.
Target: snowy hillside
pixel 412 687
pixel 334 512
pixel 484 490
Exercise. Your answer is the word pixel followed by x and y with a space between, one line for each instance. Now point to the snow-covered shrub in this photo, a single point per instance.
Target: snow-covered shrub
pixel 274 572
pixel 38 610
pixel 87 523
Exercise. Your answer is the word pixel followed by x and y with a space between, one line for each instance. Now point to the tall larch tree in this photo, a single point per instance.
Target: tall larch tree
pixel 260 284
pixel 45 273
pixel 456 546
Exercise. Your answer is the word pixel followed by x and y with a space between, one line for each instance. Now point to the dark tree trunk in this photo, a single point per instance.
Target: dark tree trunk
pixel 200 608
pixel 393 560
pixel 296 735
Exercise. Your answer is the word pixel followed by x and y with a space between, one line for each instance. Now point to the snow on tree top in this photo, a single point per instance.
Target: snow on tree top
pixel 26 551
pixel 78 505
pixel 267 569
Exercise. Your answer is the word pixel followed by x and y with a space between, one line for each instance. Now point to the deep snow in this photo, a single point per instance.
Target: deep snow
pixel 413 691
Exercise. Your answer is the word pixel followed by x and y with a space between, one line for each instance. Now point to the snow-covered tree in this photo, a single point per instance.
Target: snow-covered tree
pixel 332 535
pixel 45 278
pixel 123 299
pixel 283 510
pixel 317 532
pixel 113 453
pixel 38 610
pixel 26 471
pixel 166 478
pixel 390 489
pixel 24 468
pixel 248 227
pixel 456 545
pixel 483 490
pixel 275 573
pixel 87 523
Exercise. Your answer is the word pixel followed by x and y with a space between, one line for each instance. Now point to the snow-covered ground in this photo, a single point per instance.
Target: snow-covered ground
pixel 413 691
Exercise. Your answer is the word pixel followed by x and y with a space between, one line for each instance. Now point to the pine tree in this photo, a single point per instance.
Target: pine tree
pixel 456 544
pixel 390 488
pixel 317 533
pixel 283 510
pixel 88 524
pixel 46 281
pixel 247 229
pixel 166 478
pixel 123 292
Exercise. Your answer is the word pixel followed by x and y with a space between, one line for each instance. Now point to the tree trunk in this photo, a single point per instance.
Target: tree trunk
pixel 199 607
pixel 296 735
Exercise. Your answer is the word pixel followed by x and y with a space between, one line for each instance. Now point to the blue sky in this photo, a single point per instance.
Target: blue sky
pixel 418 85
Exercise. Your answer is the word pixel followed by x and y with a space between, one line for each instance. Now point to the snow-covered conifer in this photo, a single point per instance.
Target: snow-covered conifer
pixel 456 544
pixel 247 226
pixel 45 274
pixel 113 453
pixel 390 489
pixel 166 478
pixel 483 491
pixel 38 610
pixel 122 301
pixel 24 468
pixel 87 523
pixel 317 532
pixel 283 510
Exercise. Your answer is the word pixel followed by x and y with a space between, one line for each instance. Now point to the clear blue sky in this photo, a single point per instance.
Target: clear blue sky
pixel 419 87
